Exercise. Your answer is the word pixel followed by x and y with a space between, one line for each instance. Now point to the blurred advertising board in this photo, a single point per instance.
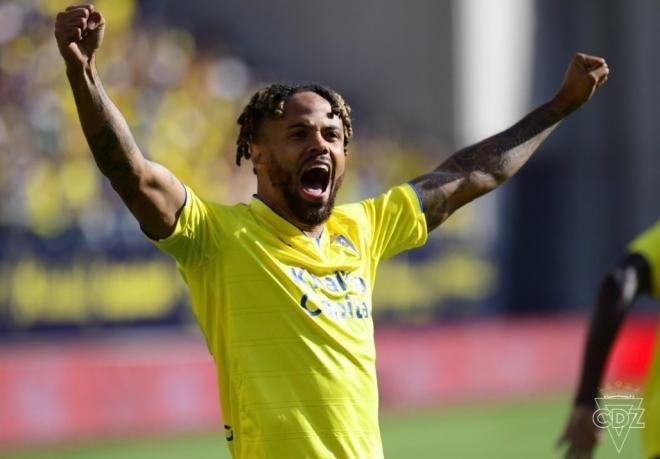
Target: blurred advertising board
pixel 65 283
pixel 73 283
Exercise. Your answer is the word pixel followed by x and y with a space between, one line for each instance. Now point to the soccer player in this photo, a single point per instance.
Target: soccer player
pixel 281 286
pixel 637 273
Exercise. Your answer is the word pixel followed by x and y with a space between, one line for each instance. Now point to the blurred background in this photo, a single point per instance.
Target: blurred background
pixel 479 333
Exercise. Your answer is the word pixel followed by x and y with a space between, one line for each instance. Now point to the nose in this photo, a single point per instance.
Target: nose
pixel 319 144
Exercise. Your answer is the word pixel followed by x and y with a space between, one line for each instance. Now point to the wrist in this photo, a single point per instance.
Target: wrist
pixel 587 402
pixel 561 106
pixel 77 69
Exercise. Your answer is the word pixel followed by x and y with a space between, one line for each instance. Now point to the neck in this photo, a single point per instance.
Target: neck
pixel 283 211
pixel 314 233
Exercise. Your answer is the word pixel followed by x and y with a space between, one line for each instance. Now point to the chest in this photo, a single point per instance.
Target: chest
pixel 293 290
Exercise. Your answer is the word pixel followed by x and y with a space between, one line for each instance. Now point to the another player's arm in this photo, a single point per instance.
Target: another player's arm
pixel 618 290
pixel 480 168
pixel 152 194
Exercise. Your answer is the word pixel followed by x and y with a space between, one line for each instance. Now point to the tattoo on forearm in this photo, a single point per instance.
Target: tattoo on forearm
pixel 477 169
pixel 110 140
pixel 106 147
pixel 104 140
pixel 150 192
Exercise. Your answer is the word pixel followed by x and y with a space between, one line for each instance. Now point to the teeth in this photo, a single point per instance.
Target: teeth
pixel 325 167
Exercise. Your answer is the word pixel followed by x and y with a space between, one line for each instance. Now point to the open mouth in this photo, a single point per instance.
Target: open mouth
pixel 315 180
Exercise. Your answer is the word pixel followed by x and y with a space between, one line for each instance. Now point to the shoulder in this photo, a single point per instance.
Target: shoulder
pixel 648 242
pixel 404 194
pixel 647 247
pixel 349 212
pixel 196 204
pixel 401 201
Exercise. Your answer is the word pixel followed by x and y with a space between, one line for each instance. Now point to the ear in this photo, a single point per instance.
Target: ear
pixel 257 156
pixel 256 153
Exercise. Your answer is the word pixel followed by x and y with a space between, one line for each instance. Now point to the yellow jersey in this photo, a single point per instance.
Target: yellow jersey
pixel 288 319
pixel 648 245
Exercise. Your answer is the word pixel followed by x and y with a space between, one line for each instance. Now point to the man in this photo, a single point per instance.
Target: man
pixel 281 287
pixel 637 273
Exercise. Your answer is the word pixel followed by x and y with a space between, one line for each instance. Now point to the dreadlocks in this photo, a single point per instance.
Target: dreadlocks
pixel 269 102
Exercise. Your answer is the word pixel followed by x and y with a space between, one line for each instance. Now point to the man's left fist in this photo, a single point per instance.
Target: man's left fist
pixel 584 75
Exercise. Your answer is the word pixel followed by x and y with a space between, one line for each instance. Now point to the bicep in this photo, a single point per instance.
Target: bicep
pixel 154 196
pixel 449 187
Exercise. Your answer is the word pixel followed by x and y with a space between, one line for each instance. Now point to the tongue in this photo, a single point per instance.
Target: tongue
pixel 313 189
pixel 313 183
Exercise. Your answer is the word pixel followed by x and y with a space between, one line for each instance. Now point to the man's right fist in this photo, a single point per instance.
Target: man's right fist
pixel 79 33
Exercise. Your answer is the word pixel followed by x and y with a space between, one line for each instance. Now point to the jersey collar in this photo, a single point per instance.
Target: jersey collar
pixel 280 224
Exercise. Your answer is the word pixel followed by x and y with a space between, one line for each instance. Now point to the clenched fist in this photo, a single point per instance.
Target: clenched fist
pixel 581 434
pixel 79 33
pixel 584 75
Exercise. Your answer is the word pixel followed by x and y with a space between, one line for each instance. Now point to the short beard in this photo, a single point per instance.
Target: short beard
pixel 308 213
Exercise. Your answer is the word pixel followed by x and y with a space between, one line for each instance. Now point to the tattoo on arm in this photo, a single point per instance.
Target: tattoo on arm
pixel 107 146
pixel 150 191
pixel 478 169
pixel 110 140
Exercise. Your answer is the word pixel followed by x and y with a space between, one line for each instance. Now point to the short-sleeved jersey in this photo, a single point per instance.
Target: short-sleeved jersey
pixel 648 245
pixel 288 319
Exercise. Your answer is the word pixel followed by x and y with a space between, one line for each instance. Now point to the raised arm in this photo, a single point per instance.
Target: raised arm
pixel 618 290
pixel 152 194
pixel 480 168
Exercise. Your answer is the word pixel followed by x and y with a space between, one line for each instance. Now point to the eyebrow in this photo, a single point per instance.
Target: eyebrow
pixel 300 125
pixel 304 125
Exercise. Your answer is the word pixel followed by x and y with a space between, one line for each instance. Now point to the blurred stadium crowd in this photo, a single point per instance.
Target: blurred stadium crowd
pixel 60 216
pixel 180 101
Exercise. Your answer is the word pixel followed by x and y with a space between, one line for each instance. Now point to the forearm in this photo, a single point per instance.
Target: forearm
pixel 616 295
pixel 153 195
pixel 499 157
pixel 109 138
pixel 603 329
pixel 480 168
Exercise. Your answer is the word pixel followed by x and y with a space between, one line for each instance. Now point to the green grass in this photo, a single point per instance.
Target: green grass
pixel 522 429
